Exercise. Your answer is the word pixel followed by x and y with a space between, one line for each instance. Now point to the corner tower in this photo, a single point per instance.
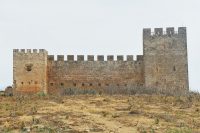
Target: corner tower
pixel 165 59
pixel 30 71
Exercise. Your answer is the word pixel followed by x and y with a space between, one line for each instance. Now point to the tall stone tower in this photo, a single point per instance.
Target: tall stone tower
pixel 165 59
pixel 30 71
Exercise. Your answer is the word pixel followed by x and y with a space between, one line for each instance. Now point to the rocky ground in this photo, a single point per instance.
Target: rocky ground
pixel 100 114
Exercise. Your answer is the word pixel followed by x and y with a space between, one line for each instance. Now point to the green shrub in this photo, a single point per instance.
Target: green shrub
pixel 41 94
pixel 76 91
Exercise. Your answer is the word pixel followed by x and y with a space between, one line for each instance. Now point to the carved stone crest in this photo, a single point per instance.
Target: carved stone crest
pixel 28 67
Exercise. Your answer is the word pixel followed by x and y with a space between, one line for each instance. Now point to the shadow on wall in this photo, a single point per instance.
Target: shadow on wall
pixel 133 90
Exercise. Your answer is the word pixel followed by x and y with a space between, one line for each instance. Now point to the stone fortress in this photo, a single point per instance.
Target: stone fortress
pixel 163 65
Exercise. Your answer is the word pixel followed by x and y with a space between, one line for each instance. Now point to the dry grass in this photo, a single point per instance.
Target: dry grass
pixel 103 114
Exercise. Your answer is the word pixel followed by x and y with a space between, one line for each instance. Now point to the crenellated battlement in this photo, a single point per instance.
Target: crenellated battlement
pixel 90 57
pixel 169 31
pixel 29 51
pixel 98 58
pixel 80 57
pixel 60 57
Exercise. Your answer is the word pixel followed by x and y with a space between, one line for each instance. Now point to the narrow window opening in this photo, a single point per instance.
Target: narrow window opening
pixel 99 84
pixel 22 83
pixel 83 84
pixel 90 84
pixel 107 84
pixel 156 83
pixel 174 68
pixel 51 84
pixel 62 84
pixel 29 82
pixel 157 69
pixel 74 84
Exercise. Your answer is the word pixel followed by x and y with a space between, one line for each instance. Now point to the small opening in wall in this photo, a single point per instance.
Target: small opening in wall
pixel 51 84
pixel 62 84
pixel 22 83
pixel 118 85
pixel 156 83
pixel 29 82
pixel 125 85
pixel 36 82
pixel 156 69
pixel 83 84
pixel 90 84
pixel 99 84
pixel 174 68
pixel 107 84
pixel 74 84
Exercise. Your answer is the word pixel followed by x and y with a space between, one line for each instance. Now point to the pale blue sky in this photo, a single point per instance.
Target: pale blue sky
pixel 93 27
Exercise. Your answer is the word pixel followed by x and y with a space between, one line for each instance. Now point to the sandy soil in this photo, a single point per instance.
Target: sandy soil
pixel 100 114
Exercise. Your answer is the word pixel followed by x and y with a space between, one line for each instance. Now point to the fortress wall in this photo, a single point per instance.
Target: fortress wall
pixel 164 66
pixel 93 74
pixel 165 58
pixel 30 70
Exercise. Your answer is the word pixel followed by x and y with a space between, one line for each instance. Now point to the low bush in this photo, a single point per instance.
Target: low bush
pixel 76 91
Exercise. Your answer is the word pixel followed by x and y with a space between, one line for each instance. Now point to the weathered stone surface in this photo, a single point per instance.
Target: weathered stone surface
pixel 30 71
pixel 165 59
pixel 89 74
pixel 163 66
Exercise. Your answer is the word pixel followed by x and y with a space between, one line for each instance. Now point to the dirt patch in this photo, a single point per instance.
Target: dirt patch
pixel 99 114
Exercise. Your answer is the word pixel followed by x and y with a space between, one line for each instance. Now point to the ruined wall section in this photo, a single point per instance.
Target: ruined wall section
pixel 165 59
pixel 93 74
pixel 30 71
